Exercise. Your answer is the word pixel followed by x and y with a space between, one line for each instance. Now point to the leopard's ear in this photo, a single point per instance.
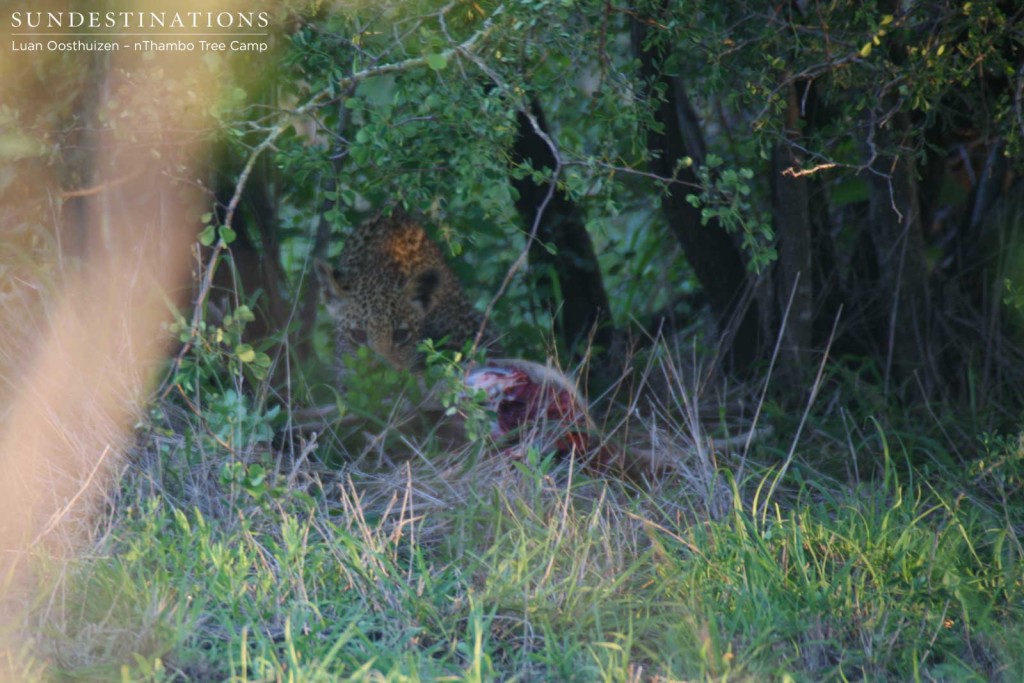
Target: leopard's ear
pixel 333 281
pixel 423 289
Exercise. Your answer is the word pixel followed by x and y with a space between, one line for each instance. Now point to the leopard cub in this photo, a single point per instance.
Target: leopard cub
pixel 390 289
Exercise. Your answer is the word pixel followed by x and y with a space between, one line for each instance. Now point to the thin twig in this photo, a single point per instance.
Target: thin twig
pixel 815 388
pixel 792 172
pixel 319 99
pixel 627 170
pixel 768 377
pixel 62 513
pixel 523 255
pixel 102 187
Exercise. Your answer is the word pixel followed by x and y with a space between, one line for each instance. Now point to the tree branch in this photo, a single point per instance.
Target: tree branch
pixel 464 49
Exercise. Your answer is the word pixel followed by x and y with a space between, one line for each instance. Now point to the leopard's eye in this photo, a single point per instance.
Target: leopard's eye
pixel 401 336
pixel 358 335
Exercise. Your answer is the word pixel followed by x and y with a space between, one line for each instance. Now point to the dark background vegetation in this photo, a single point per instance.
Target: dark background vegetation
pixel 820 201
pixel 803 176
pixel 808 177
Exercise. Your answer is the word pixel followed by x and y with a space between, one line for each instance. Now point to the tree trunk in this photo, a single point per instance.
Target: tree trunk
pixel 895 224
pixel 794 291
pixel 794 295
pixel 309 297
pixel 572 270
pixel 255 256
pixel 711 252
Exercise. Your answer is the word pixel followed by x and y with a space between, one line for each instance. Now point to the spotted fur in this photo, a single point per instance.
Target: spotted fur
pixel 390 289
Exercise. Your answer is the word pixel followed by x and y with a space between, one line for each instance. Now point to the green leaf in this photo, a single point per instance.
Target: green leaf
pixel 257 474
pixel 207 236
pixel 15 146
pixel 245 353
pixel 437 61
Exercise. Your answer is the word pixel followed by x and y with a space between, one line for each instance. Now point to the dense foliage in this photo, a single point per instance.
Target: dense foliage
pixel 837 175
pixel 821 197
pixel 825 174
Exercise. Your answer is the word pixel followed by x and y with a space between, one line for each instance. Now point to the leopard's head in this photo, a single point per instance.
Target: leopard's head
pixel 380 308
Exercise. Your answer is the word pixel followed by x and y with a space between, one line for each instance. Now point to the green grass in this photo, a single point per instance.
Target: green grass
pixel 467 567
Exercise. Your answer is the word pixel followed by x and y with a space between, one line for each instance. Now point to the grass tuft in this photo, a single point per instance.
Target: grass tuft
pixel 218 560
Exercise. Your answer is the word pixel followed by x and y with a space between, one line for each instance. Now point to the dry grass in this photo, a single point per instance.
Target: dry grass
pixel 468 564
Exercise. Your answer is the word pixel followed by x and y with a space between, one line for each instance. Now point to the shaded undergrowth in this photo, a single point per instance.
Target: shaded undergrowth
pixel 218 558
